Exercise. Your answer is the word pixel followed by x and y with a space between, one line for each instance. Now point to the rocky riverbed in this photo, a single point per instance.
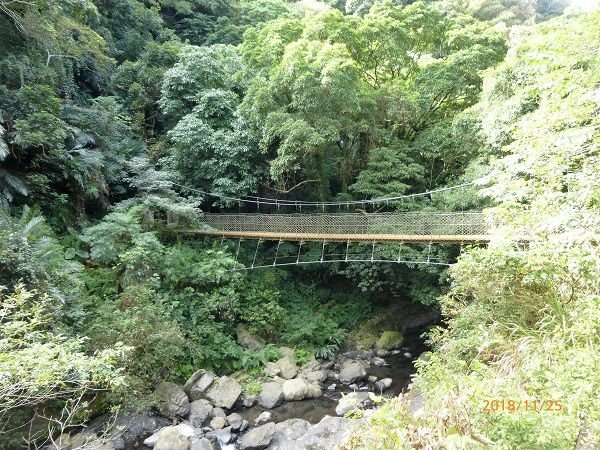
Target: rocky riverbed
pixel 304 407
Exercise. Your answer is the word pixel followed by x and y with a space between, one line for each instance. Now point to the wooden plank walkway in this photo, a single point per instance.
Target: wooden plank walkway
pixel 329 237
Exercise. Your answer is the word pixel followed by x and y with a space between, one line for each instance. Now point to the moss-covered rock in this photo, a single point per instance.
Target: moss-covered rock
pixel 390 340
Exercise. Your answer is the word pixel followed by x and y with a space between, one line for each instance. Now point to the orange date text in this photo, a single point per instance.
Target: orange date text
pixel 491 406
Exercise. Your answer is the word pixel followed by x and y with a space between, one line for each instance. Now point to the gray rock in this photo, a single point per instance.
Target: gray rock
pixel 294 390
pixel 219 412
pixel 272 369
pixel 407 354
pixel 258 438
pixel 263 417
pixel 192 380
pixel 372 378
pixel 383 384
pixel 218 423
pixel 199 388
pixel 382 353
pixel 244 425
pixel 202 444
pixel 224 392
pixel 352 371
pixel 331 387
pixel 175 438
pixel 325 435
pixel 129 428
pixel 235 420
pixel 223 436
pixel 288 367
pixel 249 400
pixel 380 362
pixel 316 375
pixel 153 439
pixel 289 431
pixel 353 386
pixel 271 395
pixel 246 339
pixel 200 411
pixel 353 402
pixel 173 401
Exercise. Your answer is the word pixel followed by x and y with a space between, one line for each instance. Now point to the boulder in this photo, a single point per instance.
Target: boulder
pixel 173 401
pixel 287 367
pixel 130 429
pixel 271 395
pixel 153 439
pixel 272 369
pixel 372 379
pixel 200 411
pixel 327 434
pixel 316 375
pixel 258 438
pixel 197 384
pixel 353 402
pixel 219 412
pixel 218 423
pixel 202 444
pixel 288 432
pixel 175 438
pixel 294 390
pixel 263 417
pixel 192 380
pixel 246 339
pixel 352 371
pixel 236 421
pixel 199 388
pixel 390 340
pixel 383 384
pixel 224 392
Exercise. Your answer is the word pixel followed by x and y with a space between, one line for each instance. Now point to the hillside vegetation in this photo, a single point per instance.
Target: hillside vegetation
pixel 523 320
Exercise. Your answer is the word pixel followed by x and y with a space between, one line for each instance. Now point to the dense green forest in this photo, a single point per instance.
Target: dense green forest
pixel 122 121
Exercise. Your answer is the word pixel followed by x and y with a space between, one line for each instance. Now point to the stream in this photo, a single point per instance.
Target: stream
pixel 399 369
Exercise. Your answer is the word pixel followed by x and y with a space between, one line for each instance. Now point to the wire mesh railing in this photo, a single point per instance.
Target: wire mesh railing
pixel 467 223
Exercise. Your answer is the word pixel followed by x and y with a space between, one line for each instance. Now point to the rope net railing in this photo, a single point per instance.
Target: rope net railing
pixel 460 224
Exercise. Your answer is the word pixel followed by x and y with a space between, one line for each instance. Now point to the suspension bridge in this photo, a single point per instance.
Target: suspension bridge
pixel 313 221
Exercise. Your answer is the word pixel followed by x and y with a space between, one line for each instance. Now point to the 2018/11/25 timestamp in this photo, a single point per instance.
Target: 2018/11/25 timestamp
pixel 490 406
